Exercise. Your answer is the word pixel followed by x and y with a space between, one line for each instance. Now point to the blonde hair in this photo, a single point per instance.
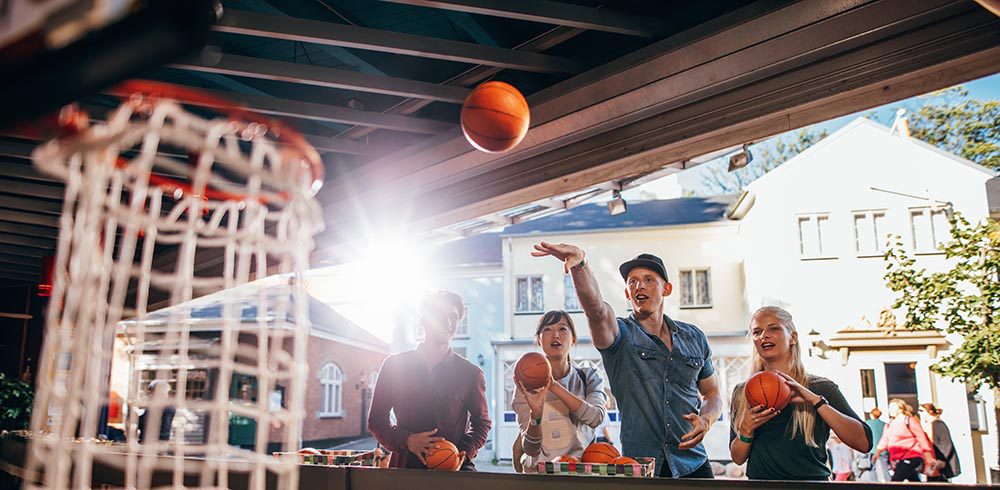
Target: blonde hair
pixel 803 418
pixel 904 408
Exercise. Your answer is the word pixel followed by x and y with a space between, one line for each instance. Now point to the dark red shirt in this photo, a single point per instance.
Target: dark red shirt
pixel 451 398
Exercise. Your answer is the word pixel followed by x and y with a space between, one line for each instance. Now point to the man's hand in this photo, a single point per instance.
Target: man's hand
pixel 600 315
pixel 570 255
pixel 699 427
pixel 420 443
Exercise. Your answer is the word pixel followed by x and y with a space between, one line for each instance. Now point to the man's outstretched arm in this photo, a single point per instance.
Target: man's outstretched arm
pixel 600 315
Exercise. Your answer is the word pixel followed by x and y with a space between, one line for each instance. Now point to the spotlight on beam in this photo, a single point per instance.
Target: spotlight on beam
pixel 741 159
pixel 617 204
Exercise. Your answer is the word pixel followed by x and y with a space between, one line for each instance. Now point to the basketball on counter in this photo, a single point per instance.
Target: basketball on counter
pixel 566 459
pixel 532 370
pixel 309 450
pixel 444 457
pixel 600 452
pixel 624 460
pixel 495 117
pixel 767 389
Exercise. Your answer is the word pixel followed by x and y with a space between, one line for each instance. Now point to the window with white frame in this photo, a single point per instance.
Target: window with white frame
pixel 331 379
pixel 870 232
pixel 529 298
pixel 930 228
pixel 815 235
pixel 462 330
pixel 732 371
pixel 509 387
pixel 696 288
pixel 571 302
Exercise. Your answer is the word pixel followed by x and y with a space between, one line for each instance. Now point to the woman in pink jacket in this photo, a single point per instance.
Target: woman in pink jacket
pixel 910 451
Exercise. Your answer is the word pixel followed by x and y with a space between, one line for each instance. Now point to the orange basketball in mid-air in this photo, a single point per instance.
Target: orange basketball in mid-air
pixel 532 370
pixel 624 460
pixel 600 452
pixel 767 389
pixel 444 457
pixel 495 117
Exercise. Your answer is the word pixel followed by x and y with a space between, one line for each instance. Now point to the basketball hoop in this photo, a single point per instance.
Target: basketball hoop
pixel 151 193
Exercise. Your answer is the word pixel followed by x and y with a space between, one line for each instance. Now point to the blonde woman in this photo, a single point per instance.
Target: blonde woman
pixel 790 444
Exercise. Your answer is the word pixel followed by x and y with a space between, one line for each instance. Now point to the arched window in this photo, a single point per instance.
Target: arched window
pixel 331 379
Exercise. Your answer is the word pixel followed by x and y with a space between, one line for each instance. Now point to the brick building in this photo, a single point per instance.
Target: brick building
pixel 343 361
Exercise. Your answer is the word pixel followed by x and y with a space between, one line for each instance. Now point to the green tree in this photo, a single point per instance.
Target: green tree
pixel 963 299
pixel 952 121
pixel 767 156
pixel 16 398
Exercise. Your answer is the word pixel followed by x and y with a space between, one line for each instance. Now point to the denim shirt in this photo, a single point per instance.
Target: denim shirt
pixel 655 387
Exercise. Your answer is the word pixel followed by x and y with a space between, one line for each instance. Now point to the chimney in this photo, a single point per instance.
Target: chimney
pixel 900 125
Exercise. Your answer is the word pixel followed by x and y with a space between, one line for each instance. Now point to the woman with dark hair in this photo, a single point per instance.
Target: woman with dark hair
pixel 910 450
pixel 944 447
pixel 559 418
pixel 790 444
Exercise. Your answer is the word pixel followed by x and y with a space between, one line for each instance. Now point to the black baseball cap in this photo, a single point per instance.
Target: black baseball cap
pixel 648 261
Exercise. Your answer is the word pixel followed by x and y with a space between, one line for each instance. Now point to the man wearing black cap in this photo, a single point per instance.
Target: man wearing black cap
pixel 660 369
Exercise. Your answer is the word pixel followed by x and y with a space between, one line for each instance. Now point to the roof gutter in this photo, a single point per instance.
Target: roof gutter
pixel 739 209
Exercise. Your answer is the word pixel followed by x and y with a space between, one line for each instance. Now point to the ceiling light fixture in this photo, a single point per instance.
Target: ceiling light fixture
pixel 741 159
pixel 617 204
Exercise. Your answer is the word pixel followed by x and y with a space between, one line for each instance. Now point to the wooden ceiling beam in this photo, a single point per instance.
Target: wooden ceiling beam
pixel 348 36
pixel 319 76
pixel 558 13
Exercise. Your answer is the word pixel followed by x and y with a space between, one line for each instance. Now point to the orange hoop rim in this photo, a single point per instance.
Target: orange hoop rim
pixel 73 121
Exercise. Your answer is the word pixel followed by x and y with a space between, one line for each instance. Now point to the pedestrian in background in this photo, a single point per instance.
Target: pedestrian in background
pixel 944 447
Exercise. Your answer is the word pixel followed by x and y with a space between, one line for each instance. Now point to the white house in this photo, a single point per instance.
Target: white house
pixel 695 241
pixel 813 234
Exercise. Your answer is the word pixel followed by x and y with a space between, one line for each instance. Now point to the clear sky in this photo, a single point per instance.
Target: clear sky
pixel 987 88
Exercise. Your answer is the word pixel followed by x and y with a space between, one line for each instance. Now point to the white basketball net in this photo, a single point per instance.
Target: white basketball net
pixel 127 245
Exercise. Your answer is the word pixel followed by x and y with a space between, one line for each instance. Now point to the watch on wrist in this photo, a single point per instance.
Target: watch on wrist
pixel 581 265
pixel 535 421
pixel 822 401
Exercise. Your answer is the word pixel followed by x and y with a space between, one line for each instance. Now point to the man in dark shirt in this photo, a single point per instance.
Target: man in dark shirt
pixel 434 393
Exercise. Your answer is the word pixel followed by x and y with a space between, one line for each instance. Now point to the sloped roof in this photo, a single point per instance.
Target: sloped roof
pixel 642 214
pixel 246 299
pixel 485 249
